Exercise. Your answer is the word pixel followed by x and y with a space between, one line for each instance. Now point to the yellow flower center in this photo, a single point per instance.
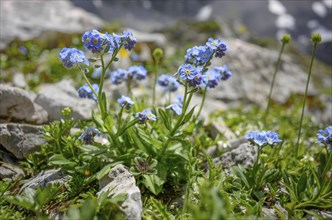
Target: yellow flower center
pixel 187 72
pixel 87 40
pixel 95 41
pixel 214 43
pixel 149 115
pixel 208 76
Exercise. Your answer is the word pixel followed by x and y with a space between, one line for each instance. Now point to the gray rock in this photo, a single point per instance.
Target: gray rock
pixel 19 80
pixel 252 67
pixel 219 127
pixel 10 171
pixel 156 38
pixel 26 20
pixel 21 139
pixel 244 155
pixel 45 178
pixel 119 181
pixel 225 146
pixel 7 157
pixel 269 213
pixel 17 104
pixel 55 97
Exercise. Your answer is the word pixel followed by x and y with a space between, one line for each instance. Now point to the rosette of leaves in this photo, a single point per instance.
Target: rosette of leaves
pixel 144 166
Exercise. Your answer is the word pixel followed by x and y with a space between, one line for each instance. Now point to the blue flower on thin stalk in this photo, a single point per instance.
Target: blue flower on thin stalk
pixel 126 102
pixel 70 56
pixel 125 39
pixel 217 46
pixel 176 108
pixel 210 79
pixel 223 71
pixel 85 91
pixel 168 82
pixel 198 55
pixel 325 136
pixel 95 41
pixel 89 135
pixel 187 72
pixel 145 115
pixel 196 81
pixel 118 76
pixel 137 72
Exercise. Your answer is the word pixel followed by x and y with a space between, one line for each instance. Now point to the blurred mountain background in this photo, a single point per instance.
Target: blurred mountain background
pixel 260 18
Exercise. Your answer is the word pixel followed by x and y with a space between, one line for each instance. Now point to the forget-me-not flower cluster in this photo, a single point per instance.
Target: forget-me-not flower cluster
pixel 168 82
pixel 96 42
pixel 325 137
pixel 134 72
pixel 125 102
pixel 263 137
pixel 145 115
pixel 86 92
pixel 89 135
pixel 70 56
pixel 197 59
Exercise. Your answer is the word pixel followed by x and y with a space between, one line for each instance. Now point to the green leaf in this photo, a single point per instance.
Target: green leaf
pixel 59 159
pixel 153 183
pixel 99 122
pixel 92 60
pixel 46 194
pixel 301 185
pixel 89 209
pixel 188 115
pixel 165 118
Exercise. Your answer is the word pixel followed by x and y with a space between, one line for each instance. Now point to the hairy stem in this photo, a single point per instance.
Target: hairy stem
pixel 272 84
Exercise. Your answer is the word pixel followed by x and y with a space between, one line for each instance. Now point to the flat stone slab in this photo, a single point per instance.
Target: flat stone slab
pixel 21 139
pixel 18 105
pixel 55 97
pixel 119 181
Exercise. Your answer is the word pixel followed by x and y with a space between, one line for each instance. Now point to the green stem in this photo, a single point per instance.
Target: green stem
pixel 104 68
pixel 272 84
pixel 202 103
pixel 155 82
pixel 87 80
pixel 257 159
pixel 101 82
pixel 177 125
pixel 120 117
pixel 169 97
pixel 305 99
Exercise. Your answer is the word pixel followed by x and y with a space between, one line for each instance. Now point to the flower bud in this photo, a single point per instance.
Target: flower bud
pixel 158 54
pixel 66 111
pixel 286 38
pixel 316 38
